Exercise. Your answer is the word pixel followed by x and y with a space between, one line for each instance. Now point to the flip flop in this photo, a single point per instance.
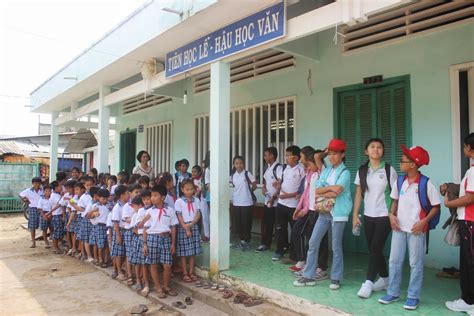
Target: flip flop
pixel 179 304
pixel 214 286
pixel 227 294
pixel 221 287
pixel 145 291
pixel 114 275
pixel 240 297
pixel 170 292
pixel 193 277
pixel 130 281
pixel 252 301
pixel 186 278
pixel 162 294
pixel 207 286
pixel 188 300
pixel 121 277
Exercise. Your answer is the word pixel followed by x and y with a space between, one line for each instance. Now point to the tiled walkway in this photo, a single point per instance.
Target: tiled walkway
pixel 258 268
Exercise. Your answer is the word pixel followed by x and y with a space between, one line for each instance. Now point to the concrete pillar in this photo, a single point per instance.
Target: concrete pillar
pixel 103 141
pixel 53 155
pixel 219 166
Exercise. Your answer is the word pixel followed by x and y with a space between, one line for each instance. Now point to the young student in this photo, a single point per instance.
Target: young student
pixel 61 178
pixel 243 184
pixel 159 237
pixel 84 224
pixel 138 259
pixel 110 228
pixel 68 195
pixel 144 182
pixel 45 204
pixel 133 179
pixel 334 183
pixel 269 190
pixel 98 216
pixel 111 183
pixel 206 198
pixel 32 196
pixel 410 222
pixel 188 240
pixel 288 186
pixel 374 181
pixel 181 175
pixel 86 235
pixel 75 174
pixel 465 218
pixel 166 180
pixel 122 179
pixel 75 219
pixel 198 179
pixel 118 246
pixel 127 212
pixel 56 213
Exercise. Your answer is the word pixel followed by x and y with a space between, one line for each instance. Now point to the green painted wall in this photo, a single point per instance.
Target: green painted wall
pixel 425 58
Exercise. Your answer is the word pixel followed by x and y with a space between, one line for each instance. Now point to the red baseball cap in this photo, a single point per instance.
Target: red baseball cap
pixel 418 154
pixel 337 145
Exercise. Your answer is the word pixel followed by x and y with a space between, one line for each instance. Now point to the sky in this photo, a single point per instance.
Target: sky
pixel 37 38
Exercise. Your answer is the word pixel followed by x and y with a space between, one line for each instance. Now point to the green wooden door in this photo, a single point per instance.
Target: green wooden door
pixel 128 141
pixel 364 113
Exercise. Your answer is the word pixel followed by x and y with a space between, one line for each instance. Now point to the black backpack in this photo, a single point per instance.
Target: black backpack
pixel 364 169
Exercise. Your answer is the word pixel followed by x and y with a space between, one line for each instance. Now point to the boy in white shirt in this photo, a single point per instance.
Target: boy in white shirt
pixel 127 212
pixel 98 216
pixel 56 213
pixel 44 207
pixel 118 247
pixel 410 222
pixel 32 196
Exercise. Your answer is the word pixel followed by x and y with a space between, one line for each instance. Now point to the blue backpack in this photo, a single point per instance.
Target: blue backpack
pixel 423 196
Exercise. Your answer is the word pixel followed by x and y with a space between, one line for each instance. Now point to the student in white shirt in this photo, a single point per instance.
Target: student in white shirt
pixel 141 203
pixel 243 184
pixel 64 202
pixel 32 196
pixel 127 212
pixel 118 247
pixel 270 192
pixel 98 215
pixel 56 213
pixel 44 206
pixel 292 175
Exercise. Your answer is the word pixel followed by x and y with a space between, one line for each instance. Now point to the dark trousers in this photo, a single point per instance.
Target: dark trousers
pixel 283 217
pixel 466 261
pixel 243 221
pixel 267 225
pixel 376 230
pixel 300 236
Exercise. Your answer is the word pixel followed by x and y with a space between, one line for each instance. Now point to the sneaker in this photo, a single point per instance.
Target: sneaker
pixel 366 289
pixel 261 248
pixel 321 275
pixel 380 285
pixel 245 246
pixel 277 256
pixel 236 246
pixel 387 299
pixel 90 260
pixel 335 285
pixel 298 274
pixel 304 282
pixel 294 269
pixel 459 306
pixel 411 304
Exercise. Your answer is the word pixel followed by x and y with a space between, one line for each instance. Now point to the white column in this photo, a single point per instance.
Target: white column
pixel 219 167
pixel 103 141
pixel 53 155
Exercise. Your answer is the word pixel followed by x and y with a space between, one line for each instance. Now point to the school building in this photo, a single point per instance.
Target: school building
pixel 179 78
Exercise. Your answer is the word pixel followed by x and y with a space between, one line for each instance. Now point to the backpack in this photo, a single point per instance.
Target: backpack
pixel 363 171
pixel 424 201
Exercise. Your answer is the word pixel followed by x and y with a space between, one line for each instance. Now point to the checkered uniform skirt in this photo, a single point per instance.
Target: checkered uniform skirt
pixel 58 226
pixel 67 230
pixel 33 218
pixel 75 226
pixel 138 257
pixel 117 250
pixel 98 236
pixel 86 229
pixel 127 236
pixel 44 224
pixel 188 246
pixel 159 249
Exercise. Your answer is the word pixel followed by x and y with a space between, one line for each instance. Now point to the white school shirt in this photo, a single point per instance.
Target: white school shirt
pixel 83 202
pixel 161 220
pixel 312 190
pixel 127 212
pixel 270 179
pixel 187 210
pixel 137 218
pixel 467 186
pixel 117 214
pixel 169 200
pixel 409 206
pixel 69 206
pixel 55 200
pixel 103 214
pixel 32 196
pixel 291 182
pixel 65 200
pixel 109 218
pixel 112 189
pixel 241 192
pixel 45 204
pixel 375 204
pixel 89 208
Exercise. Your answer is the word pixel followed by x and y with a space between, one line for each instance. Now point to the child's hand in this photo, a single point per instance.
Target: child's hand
pixel 446 201
pixel 189 234
pixel 284 195
pixel 355 221
pixel 173 250
pixel 145 250
pixel 418 227
pixel 297 214
pixel 395 223
pixel 276 185
pixel 338 189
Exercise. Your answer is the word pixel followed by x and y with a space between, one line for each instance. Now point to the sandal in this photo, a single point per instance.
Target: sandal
pixel 170 292
pixel 145 291
pixel 240 297
pixel 186 278
pixel 97 263
pixel 227 294
pixel 252 301
pixel 179 304
pixel 130 281
pixel 200 283
pixel 221 287
pixel 103 265
pixel 214 286
pixel 161 294
pixel 188 300
pixel 207 286
pixel 114 275
pixel 121 277
pixel 193 277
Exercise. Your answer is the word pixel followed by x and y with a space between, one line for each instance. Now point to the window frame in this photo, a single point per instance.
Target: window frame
pixel 159 162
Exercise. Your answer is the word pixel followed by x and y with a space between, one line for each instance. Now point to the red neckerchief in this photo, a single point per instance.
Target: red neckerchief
pixel 162 210
pixel 190 207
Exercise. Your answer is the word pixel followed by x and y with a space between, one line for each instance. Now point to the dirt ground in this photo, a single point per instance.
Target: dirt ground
pixel 38 282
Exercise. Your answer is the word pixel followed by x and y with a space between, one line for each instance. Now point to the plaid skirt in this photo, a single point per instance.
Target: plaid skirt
pixel 67 230
pixel 86 229
pixel 98 236
pixel 75 226
pixel 138 257
pixel 117 250
pixel 58 226
pixel 159 249
pixel 188 246
pixel 127 236
pixel 33 218
pixel 44 224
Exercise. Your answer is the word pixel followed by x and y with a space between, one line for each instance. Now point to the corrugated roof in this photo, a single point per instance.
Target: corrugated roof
pixel 23 148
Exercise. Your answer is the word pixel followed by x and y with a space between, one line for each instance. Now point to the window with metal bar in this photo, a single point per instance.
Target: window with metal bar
pixel 159 142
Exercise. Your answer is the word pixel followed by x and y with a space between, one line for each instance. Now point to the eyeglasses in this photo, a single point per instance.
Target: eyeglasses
pixel 404 161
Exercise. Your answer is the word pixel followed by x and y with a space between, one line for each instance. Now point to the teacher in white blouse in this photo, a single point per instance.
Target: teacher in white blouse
pixel 143 168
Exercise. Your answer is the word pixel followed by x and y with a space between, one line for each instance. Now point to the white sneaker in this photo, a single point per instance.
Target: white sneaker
pixel 366 289
pixel 459 306
pixel 380 285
